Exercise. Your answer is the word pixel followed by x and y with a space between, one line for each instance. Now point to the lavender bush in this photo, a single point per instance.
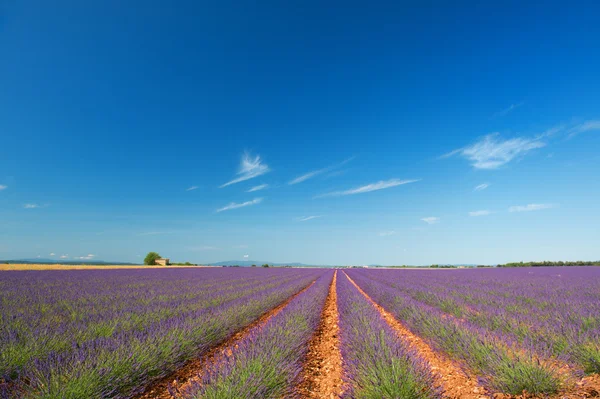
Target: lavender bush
pixel 376 363
pixel 267 363
pixel 108 333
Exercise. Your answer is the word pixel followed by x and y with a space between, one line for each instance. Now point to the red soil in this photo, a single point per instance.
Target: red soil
pixel 322 376
pixel 193 369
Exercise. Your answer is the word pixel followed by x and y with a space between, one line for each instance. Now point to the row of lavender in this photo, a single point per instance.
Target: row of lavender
pixel 268 362
pixel 107 334
pixel 553 312
pixel 501 367
pixel 377 363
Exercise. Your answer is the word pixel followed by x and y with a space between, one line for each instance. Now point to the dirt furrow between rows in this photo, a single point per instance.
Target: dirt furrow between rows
pixel 322 370
pixel 454 382
pixel 193 369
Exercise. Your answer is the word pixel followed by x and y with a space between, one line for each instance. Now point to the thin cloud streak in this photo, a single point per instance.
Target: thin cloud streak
pixel 235 205
pixel 492 152
pixel 479 213
pixel 387 233
pixel 305 218
pixel 258 188
pixel 314 173
pixel 192 188
pixel 154 233
pixel 380 185
pixel 3 187
pixel 431 220
pixel 31 206
pixel 508 110
pixel 530 207
pixel 250 168
pixel 481 187
pixel 584 127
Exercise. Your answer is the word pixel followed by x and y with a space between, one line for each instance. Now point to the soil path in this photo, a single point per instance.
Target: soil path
pixel 454 382
pixel 194 368
pixel 322 370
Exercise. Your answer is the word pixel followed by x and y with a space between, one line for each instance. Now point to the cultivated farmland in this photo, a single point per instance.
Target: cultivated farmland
pixel 282 333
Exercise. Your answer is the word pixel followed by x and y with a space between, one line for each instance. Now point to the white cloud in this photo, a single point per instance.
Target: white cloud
pixel 479 213
pixel 431 220
pixel 64 256
pixel 88 257
pixel 305 218
pixel 387 233
pixel 584 127
pixel 234 205
pixel 317 172
pixel 481 187
pixel 250 168
pixel 31 206
pixel 530 207
pixel 492 151
pixel 508 110
pixel 246 256
pixel 242 246
pixel 192 188
pixel 258 188
pixel 380 185
pixel 3 187
pixel 52 254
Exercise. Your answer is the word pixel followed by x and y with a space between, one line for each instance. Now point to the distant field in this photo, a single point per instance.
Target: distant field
pixel 28 266
pixel 190 333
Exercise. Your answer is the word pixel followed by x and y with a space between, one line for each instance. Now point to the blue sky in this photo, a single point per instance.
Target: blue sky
pixel 379 133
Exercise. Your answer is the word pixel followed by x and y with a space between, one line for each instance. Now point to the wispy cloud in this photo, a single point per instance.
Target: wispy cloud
pixel 530 207
pixel 508 110
pixel 87 257
pixel 431 220
pixel 387 233
pixel 64 256
pixel 584 127
pixel 482 186
pixel 380 185
pixel 235 205
pixel 480 213
pixel 31 206
pixel 305 218
pixel 242 246
pixel 250 168
pixel 52 254
pixel 492 151
pixel 258 188
pixel 3 187
pixel 192 188
pixel 317 172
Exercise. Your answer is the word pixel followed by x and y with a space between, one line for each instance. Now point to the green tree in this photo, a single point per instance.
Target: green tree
pixel 150 259
pixel 266 265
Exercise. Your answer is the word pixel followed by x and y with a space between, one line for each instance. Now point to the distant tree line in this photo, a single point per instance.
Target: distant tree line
pixel 551 263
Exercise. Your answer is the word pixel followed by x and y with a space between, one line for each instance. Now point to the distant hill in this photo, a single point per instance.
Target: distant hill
pixel 44 261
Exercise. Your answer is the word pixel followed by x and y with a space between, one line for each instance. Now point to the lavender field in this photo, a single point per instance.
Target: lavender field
pixel 251 333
